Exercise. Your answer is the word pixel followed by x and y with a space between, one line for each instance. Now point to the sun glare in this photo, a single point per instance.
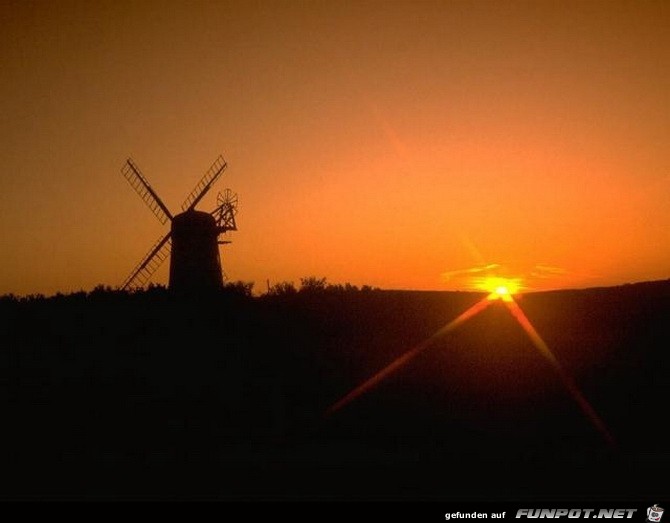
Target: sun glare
pixel 500 288
pixel 502 292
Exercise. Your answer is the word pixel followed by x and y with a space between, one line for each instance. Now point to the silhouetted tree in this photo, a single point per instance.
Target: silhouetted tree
pixel 284 288
pixel 241 288
pixel 312 284
pixel 8 298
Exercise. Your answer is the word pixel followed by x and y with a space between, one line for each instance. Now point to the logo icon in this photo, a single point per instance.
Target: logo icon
pixel 654 514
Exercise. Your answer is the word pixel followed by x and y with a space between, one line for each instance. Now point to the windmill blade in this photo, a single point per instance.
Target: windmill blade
pixel 138 182
pixel 149 264
pixel 205 183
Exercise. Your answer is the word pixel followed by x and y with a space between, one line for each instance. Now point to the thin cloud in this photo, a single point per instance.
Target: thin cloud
pixel 548 271
pixel 450 275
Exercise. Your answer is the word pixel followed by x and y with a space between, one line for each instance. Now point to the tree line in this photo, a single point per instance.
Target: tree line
pixel 308 285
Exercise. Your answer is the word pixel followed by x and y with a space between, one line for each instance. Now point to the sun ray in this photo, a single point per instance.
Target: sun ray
pixel 372 382
pixel 500 290
pixel 568 382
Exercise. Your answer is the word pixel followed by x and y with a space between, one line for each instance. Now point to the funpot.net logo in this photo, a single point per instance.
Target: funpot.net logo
pixel 574 513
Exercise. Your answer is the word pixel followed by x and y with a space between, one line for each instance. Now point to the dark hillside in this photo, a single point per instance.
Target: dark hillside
pixel 108 394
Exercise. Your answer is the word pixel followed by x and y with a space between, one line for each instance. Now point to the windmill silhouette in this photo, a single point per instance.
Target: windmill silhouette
pixel 194 237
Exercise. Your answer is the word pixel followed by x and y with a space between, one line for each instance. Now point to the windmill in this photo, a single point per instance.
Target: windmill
pixel 194 237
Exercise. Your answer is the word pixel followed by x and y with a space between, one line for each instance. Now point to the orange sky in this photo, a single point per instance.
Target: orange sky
pixel 396 144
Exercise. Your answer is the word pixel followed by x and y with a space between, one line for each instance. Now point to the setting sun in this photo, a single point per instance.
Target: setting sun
pixel 500 288
pixel 502 291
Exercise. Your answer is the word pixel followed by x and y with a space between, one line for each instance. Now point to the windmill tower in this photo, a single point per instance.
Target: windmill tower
pixel 194 237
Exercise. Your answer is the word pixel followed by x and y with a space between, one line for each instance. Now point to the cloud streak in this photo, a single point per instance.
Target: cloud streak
pixel 450 275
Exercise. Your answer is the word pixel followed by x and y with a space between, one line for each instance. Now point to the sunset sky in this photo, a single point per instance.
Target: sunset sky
pixel 408 145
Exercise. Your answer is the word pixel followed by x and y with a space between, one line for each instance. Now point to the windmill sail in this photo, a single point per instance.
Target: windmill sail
pixel 205 183
pixel 149 264
pixel 138 182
